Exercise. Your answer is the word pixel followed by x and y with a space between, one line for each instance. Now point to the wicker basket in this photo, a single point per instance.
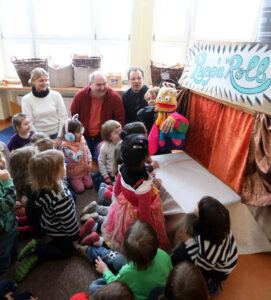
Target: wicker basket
pixel 160 73
pixel 93 62
pixel 24 67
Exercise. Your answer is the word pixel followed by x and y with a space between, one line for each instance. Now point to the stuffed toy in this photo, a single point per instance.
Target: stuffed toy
pixel 166 104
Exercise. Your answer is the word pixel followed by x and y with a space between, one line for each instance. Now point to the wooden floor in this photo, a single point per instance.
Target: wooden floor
pixel 250 280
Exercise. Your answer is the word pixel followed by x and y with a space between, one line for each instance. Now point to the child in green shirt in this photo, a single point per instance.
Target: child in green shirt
pixel 148 266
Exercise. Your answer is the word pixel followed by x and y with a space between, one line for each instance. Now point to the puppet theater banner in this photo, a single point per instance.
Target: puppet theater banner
pixel 238 73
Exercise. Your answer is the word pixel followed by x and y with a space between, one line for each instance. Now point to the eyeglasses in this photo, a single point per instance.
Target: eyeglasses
pixel 137 78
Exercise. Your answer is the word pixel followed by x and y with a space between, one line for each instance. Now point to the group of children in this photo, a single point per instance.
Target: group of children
pixel 132 252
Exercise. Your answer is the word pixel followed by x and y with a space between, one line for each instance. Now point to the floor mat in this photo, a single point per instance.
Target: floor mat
pixel 6 134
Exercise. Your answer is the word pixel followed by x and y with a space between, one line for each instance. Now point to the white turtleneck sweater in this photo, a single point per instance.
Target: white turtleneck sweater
pixel 47 114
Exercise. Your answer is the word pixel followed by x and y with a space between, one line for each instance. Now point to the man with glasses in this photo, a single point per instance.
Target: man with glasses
pixel 133 98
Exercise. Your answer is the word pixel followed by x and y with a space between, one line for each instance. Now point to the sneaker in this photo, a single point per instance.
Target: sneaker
pixel 87 228
pixel 90 239
pixel 24 269
pixel 101 192
pixel 81 249
pixel 86 217
pixel 89 208
pixel 100 220
pixel 213 288
pixel 102 210
pixel 28 249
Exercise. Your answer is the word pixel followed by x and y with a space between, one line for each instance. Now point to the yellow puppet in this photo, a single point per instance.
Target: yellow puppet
pixel 166 103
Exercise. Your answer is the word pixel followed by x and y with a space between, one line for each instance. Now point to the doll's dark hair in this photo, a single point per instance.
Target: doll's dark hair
pixel 116 290
pixel 140 244
pixel 185 282
pixel 134 127
pixel 213 222
pixel 134 149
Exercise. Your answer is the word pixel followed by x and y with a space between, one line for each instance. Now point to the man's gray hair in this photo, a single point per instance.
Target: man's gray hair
pixel 95 73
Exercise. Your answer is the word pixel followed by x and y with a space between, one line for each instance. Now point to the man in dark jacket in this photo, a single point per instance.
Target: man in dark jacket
pixel 133 99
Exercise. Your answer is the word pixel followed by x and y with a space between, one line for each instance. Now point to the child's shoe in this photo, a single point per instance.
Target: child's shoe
pixel 102 210
pixel 213 288
pixel 87 228
pixel 90 239
pixel 86 217
pixel 89 208
pixel 28 249
pixel 104 196
pixel 82 249
pixel 25 267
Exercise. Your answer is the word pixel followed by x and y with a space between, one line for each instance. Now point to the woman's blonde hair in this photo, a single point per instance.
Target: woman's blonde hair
pixel 44 170
pixel 37 73
pixel 107 128
pixel 18 165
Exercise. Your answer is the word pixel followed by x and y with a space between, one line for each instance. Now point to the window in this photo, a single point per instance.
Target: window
pixel 179 23
pixel 231 20
pixel 58 29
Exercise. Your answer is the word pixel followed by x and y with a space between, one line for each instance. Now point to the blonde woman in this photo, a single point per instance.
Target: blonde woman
pixel 45 108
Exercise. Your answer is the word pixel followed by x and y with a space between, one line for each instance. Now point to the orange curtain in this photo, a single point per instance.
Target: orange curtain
pixel 203 117
pixel 219 139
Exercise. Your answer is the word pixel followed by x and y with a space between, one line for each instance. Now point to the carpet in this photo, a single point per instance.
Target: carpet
pixel 6 134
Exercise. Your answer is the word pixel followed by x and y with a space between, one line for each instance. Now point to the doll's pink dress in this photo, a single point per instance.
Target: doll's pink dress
pixel 132 203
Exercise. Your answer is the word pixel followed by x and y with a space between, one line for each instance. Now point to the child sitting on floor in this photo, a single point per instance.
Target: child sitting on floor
pixel 19 161
pixel 148 265
pixel 110 134
pixel 58 219
pixel 79 157
pixel 23 132
pixel 184 282
pixel 212 247
pixel 137 197
pixel 8 224
pixel 116 290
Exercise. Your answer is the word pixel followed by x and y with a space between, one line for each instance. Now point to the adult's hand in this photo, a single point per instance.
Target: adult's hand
pixel 167 125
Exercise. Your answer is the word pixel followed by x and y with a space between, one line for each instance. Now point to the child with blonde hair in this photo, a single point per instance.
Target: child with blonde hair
pixel 19 161
pixel 110 134
pixel 57 210
pixel 8 224
pixel 22 127
pixel 79 157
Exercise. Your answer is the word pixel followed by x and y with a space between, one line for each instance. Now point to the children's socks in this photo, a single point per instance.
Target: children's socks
pixel 28 249
pixel 104 196
pixel 87 228
pixel 27 230
pixel 90 239
pixel 89 208
pixel 86 217
pixel 82 249
pixel 25 267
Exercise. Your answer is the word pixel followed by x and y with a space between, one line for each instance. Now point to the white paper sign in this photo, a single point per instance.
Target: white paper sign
pixel 230 72
pixel 187 181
